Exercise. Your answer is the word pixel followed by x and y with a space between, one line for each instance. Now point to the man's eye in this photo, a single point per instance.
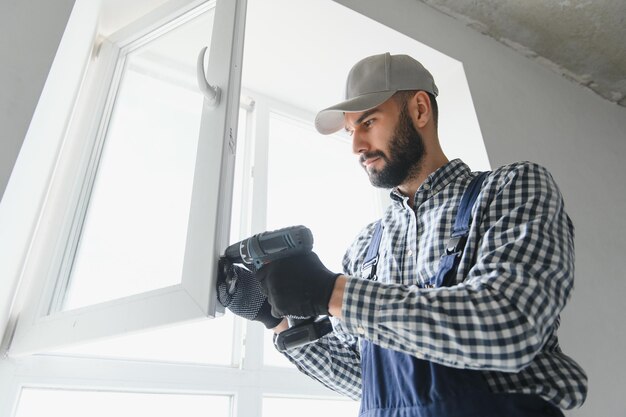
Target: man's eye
pixel 368 123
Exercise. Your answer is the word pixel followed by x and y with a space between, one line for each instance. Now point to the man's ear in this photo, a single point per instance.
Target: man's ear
pixel 421 109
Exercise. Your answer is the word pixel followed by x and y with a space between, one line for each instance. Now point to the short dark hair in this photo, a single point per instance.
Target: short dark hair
pixel 403 96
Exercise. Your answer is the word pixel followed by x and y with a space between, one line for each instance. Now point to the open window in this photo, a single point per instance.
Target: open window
pixel 103 261
pixel 296 57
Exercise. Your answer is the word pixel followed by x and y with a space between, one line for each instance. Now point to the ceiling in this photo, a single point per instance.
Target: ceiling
pixel 584 40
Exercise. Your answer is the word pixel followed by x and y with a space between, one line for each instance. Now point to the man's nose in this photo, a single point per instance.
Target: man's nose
pixel 359 143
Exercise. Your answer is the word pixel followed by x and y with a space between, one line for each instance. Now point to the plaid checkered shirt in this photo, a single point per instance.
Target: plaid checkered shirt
pixel 501 317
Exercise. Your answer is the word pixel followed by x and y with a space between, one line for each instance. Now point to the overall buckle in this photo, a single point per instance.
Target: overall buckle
pixel 456 244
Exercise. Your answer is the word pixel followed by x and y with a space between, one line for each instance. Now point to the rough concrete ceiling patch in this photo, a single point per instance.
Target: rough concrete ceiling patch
pixel 585 41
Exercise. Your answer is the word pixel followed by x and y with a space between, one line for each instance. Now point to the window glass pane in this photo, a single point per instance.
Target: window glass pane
pixel 206 342
pixel 305 407
pixel 36 402
pixel 134 233
pixel 316 181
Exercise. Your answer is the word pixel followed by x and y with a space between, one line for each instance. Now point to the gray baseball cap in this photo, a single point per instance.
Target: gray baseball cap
pixel 371 82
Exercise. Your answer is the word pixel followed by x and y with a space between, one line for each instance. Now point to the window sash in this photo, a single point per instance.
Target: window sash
pixel 209 217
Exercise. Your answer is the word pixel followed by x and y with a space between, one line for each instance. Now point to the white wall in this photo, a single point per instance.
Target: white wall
pixel 528 112
pixel 525 111
pixel 27 186
pixel 30 32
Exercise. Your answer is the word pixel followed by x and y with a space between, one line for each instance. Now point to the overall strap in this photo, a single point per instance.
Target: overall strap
pixel 449 262
pixel 368 269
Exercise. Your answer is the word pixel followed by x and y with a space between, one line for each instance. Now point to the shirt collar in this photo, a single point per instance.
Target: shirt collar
pixel 438 179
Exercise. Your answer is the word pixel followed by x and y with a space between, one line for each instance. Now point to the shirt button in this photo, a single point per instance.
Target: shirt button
pixel 360 330
pixel 426 186
pixel 410 252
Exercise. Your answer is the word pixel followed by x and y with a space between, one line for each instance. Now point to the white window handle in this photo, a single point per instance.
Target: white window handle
pixel 212 93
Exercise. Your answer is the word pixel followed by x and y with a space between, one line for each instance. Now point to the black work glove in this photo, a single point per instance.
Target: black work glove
pixel 298 286
pixel 240 292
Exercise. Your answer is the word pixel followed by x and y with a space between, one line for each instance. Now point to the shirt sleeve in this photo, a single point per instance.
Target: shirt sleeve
pixel 334 360
pixel 500 316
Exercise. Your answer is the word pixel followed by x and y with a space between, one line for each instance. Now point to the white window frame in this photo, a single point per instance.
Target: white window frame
pixel 248 381
pixel 264 106
pixel 209 219
pixel 247 384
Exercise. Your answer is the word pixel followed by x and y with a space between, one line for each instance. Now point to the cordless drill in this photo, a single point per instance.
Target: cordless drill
pixel 266 247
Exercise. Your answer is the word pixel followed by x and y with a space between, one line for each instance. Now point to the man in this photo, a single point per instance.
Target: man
pixel 484 344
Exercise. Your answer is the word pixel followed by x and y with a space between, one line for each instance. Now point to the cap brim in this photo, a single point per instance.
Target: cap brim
pixel 331 119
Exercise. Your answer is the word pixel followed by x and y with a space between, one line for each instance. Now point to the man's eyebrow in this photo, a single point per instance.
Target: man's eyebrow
pixel 364 116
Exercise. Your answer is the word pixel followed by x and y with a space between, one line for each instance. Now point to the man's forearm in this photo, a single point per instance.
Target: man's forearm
pixel 336 299
pixel 283 325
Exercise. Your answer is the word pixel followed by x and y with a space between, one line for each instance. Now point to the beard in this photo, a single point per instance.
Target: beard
pixel 406 153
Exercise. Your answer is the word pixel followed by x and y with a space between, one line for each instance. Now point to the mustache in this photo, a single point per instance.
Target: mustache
pixel 370 155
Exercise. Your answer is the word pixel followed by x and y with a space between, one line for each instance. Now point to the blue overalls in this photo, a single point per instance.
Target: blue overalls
pixel 396 384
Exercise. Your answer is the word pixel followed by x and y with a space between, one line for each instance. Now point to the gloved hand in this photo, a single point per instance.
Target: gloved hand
pixel 298 286
pixel 239 291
